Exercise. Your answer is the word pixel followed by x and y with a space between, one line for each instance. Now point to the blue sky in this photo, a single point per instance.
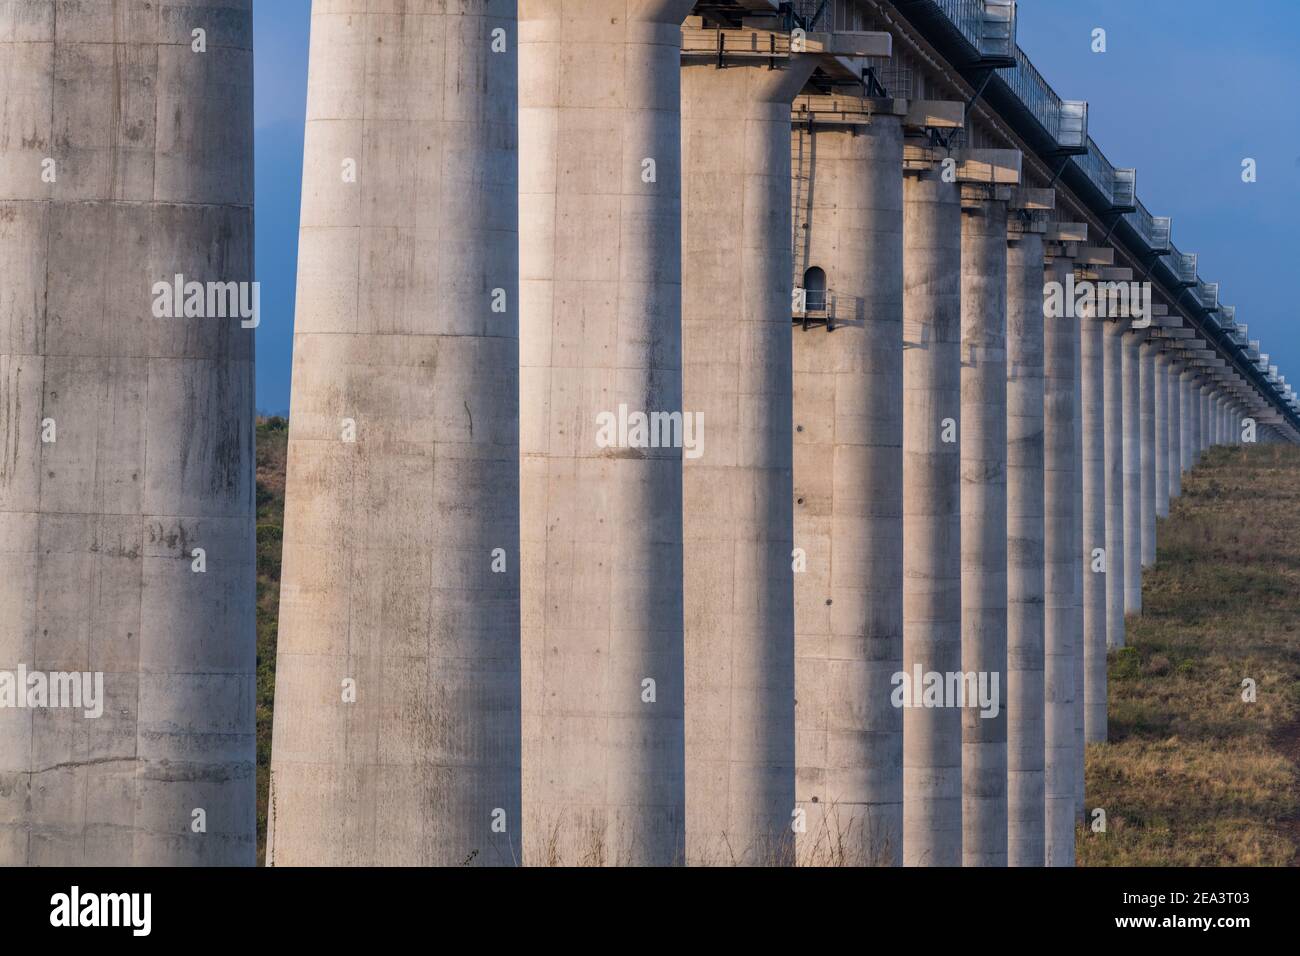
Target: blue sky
pixel 1183 93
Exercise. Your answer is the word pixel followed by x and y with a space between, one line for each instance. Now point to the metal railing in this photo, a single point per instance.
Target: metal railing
pixel 1154 230
pixel 1183 265
pixel 1118 185
pixel 989 25
pixel 1066 121
pixel 1208 293
pixel 813 15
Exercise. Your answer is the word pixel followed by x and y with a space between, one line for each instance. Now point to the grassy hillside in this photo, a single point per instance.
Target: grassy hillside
pixel 272 440
pixel 1193 775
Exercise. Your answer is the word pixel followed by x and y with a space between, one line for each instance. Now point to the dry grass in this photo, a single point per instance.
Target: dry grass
pixel 1193 775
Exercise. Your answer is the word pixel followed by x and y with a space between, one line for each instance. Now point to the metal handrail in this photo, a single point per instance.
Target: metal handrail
pixel 1154 230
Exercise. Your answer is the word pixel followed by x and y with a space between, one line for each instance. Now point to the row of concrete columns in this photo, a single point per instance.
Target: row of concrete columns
pixel 710 645
pixel 504 637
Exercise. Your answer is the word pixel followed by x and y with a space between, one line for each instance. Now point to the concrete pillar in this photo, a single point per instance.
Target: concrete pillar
pixel 1061 502
pixel 1113 352
pixel 1147 442
pixel 1160 391
pixel 1132 449
pixel 932 748
pixel 1188 427
pixel 601 523
pixel 738 524
pixel 984 518
pixel 1094 341
pixel 127 434
pixel 1076 572
pixel 1025 531
pixel 848 512
pixel 403 455
pixel 1173 393
pixel 1203 420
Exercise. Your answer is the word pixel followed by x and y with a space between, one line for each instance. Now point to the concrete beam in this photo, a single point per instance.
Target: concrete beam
pixel 995 166
pixel 935 114
pixel 1067 232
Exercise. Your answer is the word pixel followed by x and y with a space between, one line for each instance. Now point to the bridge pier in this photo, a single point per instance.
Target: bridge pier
pixel 1188 425
pixel 848 472
pixel 984 528
pixel 1093 343
pixel 1062 502
pixel 1160 403
pixel 602 615
pixel 738 524
pixel 1026 582
pixel 396 738
pixel 1147 444
pixel 127 489
pixel 1113 357
pixel 932 737
pixel 1131 418
pixel 1174 400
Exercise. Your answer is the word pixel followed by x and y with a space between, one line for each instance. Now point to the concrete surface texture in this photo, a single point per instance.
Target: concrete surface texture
pixel 1061 502
pixel 1112 357
pixel 848 474
pixel 396 738
pixel 1160 405
pixel 1025 536
pixel 1130 416
pixel 127 488
pixel 932 737
pixel 601 523
pixel 1095 575
pixel 737 497
pixel 984 518
pixel 1174 399
pixel 1147 444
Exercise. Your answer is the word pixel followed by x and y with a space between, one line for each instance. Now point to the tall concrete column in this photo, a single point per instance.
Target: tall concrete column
pixel 1132 448
pixel 1076 571
pixel 1147 444
pixel 932 736
pixel 848 473
pixel 1113 356
pixel 1061 502
pixel 1188 424
pixel 126 426
pixel 1094 341
pixel 984 517
pixel 1173 392
pixel 601 522
pixel 738 523
pixel 1204 425
pixel 1025 537
pixel 402 493
pixel 1162 422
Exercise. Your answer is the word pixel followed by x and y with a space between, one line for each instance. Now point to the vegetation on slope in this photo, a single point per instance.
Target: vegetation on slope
pixel 1193 775
pixel 272 443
